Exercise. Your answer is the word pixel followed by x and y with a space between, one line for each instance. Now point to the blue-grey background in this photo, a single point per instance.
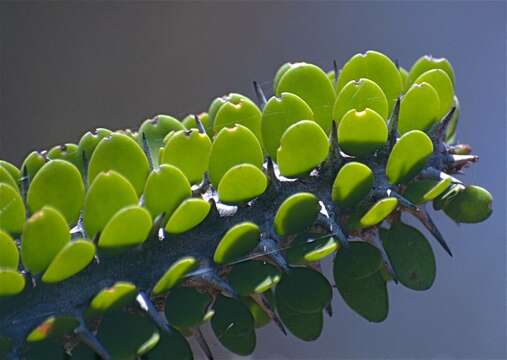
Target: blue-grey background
pixel 67 68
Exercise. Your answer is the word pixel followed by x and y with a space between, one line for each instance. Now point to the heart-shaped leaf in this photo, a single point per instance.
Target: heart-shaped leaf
pixel 44 235
pixel 32 163
pixel 58 184
pixel 189 151
pixel 130 226
pixel 188 215
pixel 312 85
pixel 351 185
pixel 408 157
pixel 175 274
pixel 90 140
pixel 359 95
pixel 441 82
pixel 68 152
pixel 12 216
pixel 303 146
pixel 377 67
pixel 419 108
pixel 153 131
pixel 242 183
pixel 233 146
pixel 120 153
pixel 9 256
pixel 53 327
pixel 360 133
pixel 379 211
pixel 108 193
pixel 428 62
pixel 71 259
pixel 113 298
pixel 6 178
pixel 11 282
pixel 296 213
pixel 304 249
pixel 278 114
pixel 12 170
pixel 237 242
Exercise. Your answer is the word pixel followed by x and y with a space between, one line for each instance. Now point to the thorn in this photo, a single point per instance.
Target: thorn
pixel 270 248
pixel 424 217
pixel 271 174
pixel 392 125
pixel 146 149
pixel 397 63
pixel 25 183
pixel 433 173
pixel 463 160
pixel 262 301
pixel 145 303
pixel 203 186
pixel 261 98
pixel 335 158
pixel 201 341
pixel 214 212
pixel 441 128
pixel 85 335
pixel 335 69
pixel 335 229
pixel 402 200
pixel 199 124
pixel 215 280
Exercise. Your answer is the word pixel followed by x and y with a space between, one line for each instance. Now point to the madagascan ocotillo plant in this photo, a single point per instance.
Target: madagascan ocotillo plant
pixel 123 244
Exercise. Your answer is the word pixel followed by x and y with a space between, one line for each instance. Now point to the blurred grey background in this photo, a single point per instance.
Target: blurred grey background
pixel 69 67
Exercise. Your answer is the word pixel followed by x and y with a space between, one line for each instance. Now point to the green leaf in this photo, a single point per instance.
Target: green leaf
pixel 58 184
pixel 45 350
pixel 238 110
pixel 359 95
pixel 108 193
pixel 419 108
pixel 238 241
pixel 33 162
pixel 378 212
pixel 171 346
pixel 377 67
pixel 157 198
pixel 313 86
pixel 90 140
pixel 120 153
pixel 408 157
pixel 279 73
pixel 186 307
pixel 304 290
pixel 252 276
pixel 189 151
pixel 472 205
pixel 11 282
pixel 351 185
pixel 9 256
pixel 242 183
pixel 233 325
pixel 360 133
pixel 12 170
pixel 305 249
pixel 261 318
pixel 278 114
pixel 130 226
pixel 216 105
pixel 113 298
pixel 189 122
pixel 303 146
pixel 126 335
pixel 154 131
pixel 67 152
pixel 357 261
pixel 410 255
pixel 404 78
pixel 421 191
pixel 428 62
pixel 366 296
pixel 441 82
pixel 233 146
pixel 73 258
pixel 44 235
pixel 296 213
pixel 175 273
pixel 5 346
pixel 52 328
pixel 188 215
pixel 12 210
pixel 306 327
pixel 6 178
